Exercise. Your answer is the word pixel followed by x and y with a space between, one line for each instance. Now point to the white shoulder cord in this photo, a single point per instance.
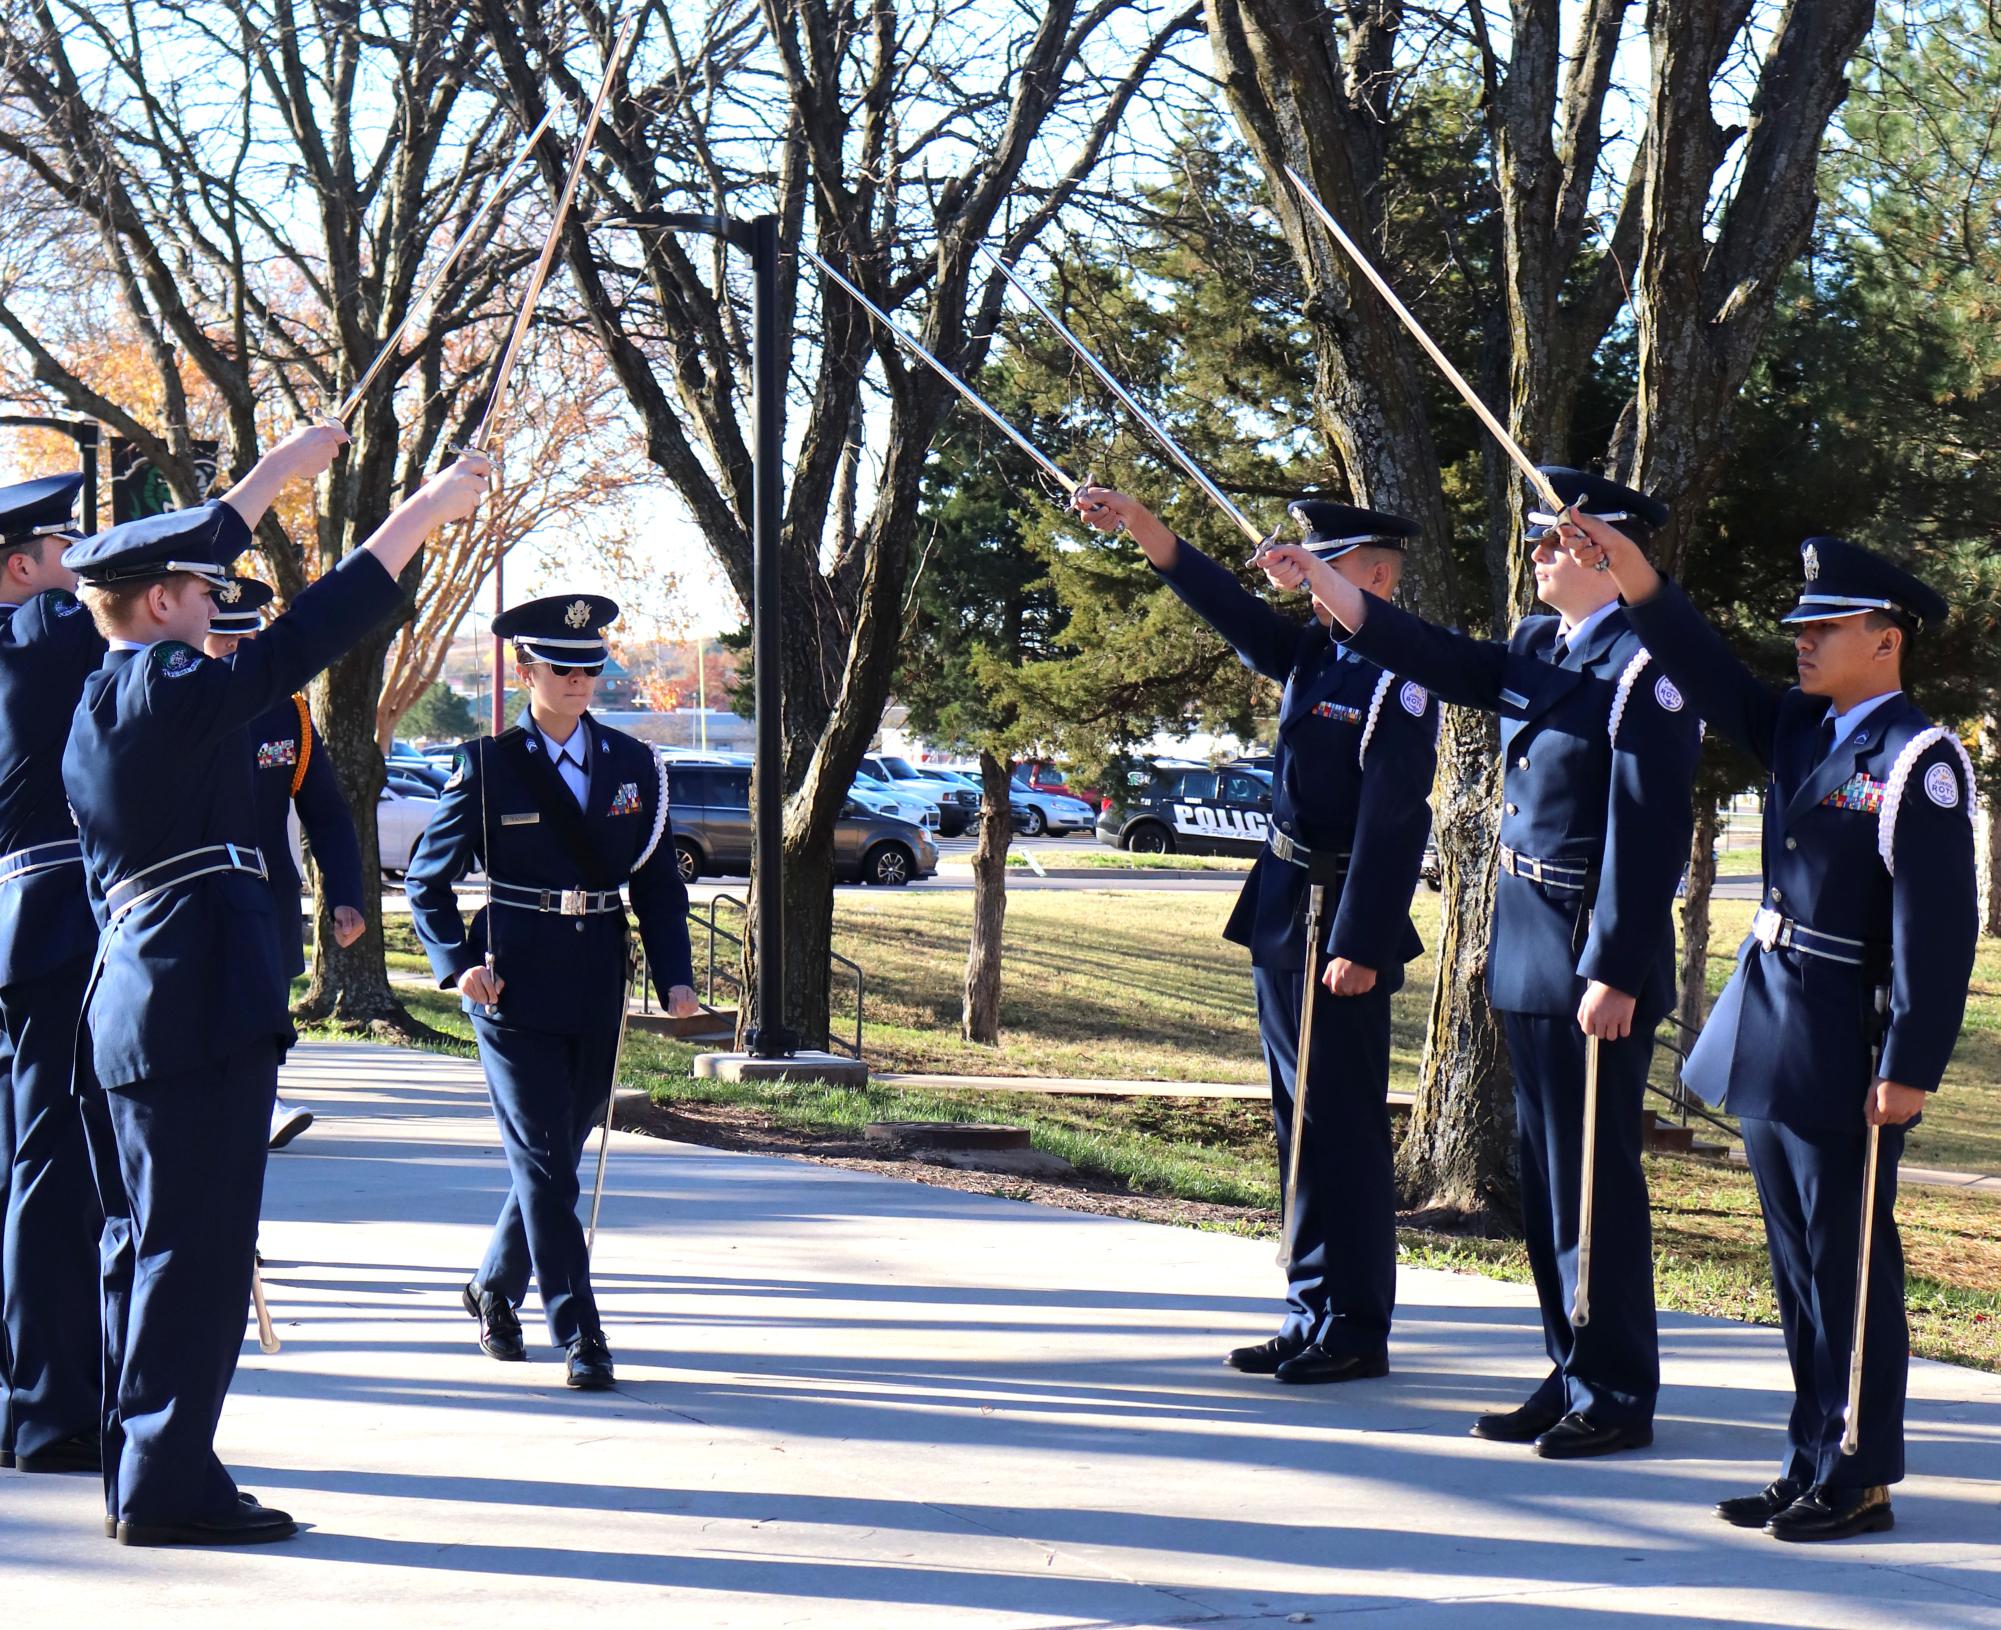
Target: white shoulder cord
pixel 1899 777
pixel 659 815
pixel 1375 709
pixel 1624 693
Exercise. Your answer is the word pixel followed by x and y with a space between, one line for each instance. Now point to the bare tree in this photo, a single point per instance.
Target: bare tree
pixel 1319 88
pixel 896 141
pixel 266 183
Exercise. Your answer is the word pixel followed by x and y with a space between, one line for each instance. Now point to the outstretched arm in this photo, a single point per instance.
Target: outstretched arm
pixel 1265 639
pixel 1723 691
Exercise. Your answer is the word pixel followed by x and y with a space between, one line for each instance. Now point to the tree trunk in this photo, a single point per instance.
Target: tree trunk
pixel 1989 829
pixel 980 1019
pixel 808 867
pixel 350 987
pixel 1693 1001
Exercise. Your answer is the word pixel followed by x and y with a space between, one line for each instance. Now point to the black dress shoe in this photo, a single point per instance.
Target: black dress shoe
pixel 1522 1425
pixel 1755 1510
pixel 1825 1513
pixel 1265 1358
pixel 249 1524
pixel 80 1453
pixel 590 1365
pixel 1578 1437
pixel 1315 1365
pixel 6 1460
pixel 499 1326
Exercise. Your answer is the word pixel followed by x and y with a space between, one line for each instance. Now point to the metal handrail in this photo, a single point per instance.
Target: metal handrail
pixel 1680 1097
pixel 715 928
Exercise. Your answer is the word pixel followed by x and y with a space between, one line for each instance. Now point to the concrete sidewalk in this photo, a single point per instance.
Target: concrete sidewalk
pixel 849 1401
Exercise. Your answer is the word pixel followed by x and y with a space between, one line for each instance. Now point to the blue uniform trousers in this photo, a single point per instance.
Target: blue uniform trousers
pixel 1343 1247
pixel 180 1163
pixel 548 1091
pixel 1611 1369
pixel 6 1186
pixel 53 1220
pixel 1810 1189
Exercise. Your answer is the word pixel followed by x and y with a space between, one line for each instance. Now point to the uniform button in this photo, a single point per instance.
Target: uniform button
pixel 1522 763
pixel 1792 843
pixel 1512 810
pixel 1776 896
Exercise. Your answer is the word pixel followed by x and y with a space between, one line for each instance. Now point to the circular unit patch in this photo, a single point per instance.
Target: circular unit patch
pixel 1666 694
pixel 1942 786
pixel 1413 698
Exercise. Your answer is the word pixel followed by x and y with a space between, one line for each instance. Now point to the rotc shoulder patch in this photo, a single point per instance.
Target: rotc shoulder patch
pixel 1862 793
pixel 626 802
pixel 63 603
pixel 175 660
pixel 1413 697
pixel 272 754
pixel 1666 694
pixel 1942 786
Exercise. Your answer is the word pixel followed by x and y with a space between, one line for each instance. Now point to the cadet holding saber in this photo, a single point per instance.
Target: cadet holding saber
pixel 1848 994
pixel 1356 755
pixel 1598 754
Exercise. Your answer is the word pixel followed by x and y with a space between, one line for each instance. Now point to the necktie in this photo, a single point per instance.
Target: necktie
pixel 1559 648
pixel 1826 742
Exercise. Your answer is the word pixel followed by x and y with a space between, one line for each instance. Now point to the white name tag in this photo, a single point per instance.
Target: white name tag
pixel 519 820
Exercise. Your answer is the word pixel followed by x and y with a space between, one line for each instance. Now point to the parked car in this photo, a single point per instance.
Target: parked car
pixel 402 812
pixel 710 805
pixel 958 807
pixel 1039 775
pixel 1171 806
pixel 879 798
pixel 1428 869
pixel 1056 814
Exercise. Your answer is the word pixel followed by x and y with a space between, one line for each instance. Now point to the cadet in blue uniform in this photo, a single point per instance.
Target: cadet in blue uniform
pixel 48 647
pixel 1599 749
pixel 292 770
pixel 1849 992
pixel 1355 759
pixel 561 812
pixel 186 1006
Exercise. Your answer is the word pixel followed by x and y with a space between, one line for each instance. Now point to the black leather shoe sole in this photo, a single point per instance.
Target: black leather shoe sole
pixel 1755 1510
pixel 63 1457
pixel 223 1532
pixel 1556 1444
pixel 591 1380
pixel 1513 1426
pixel 1878 1520
pixel 1314 1372
pixel 1263 1359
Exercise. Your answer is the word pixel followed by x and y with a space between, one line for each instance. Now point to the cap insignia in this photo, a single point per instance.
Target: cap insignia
pixel 578 614
pixel 1812 559
pixel 229 593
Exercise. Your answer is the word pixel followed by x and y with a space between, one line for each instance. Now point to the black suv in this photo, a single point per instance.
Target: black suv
pixel 1170 806
pixel 709 805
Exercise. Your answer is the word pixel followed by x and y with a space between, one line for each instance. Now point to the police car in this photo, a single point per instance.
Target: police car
pixel 1171 806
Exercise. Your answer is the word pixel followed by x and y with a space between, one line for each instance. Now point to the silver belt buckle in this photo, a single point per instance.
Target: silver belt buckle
pixel 574 902
pixel 1765 926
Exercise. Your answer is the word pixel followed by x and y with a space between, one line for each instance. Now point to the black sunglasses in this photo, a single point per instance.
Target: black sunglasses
pixel 563 670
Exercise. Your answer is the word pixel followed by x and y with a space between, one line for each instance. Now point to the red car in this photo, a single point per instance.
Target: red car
pixel 1039 775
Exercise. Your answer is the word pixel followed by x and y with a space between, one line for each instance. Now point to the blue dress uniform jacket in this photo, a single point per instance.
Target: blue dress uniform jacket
pixel 279 742
pixel 1327 791
pixel 48 647
pixel 1596 773
pixel 549 1045
pixel 1598 752
pixel 1868 900
pixel 1356 754
pixel 1792 1035
pixel 508 810
pixel 159 764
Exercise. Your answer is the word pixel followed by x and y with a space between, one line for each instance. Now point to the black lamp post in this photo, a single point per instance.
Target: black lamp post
pixel 758 238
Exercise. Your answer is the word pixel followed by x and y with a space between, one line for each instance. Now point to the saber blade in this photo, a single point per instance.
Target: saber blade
pixel 1049 465
pixel 1152 425
pixel 353 398
pixel 1458 380
pixel 526 314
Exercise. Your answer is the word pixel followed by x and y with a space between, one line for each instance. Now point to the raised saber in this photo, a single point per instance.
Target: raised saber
pixel 1508 443
pixel 526 314
pixel 1049 465
pixel 1152 425
pixel 353 398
